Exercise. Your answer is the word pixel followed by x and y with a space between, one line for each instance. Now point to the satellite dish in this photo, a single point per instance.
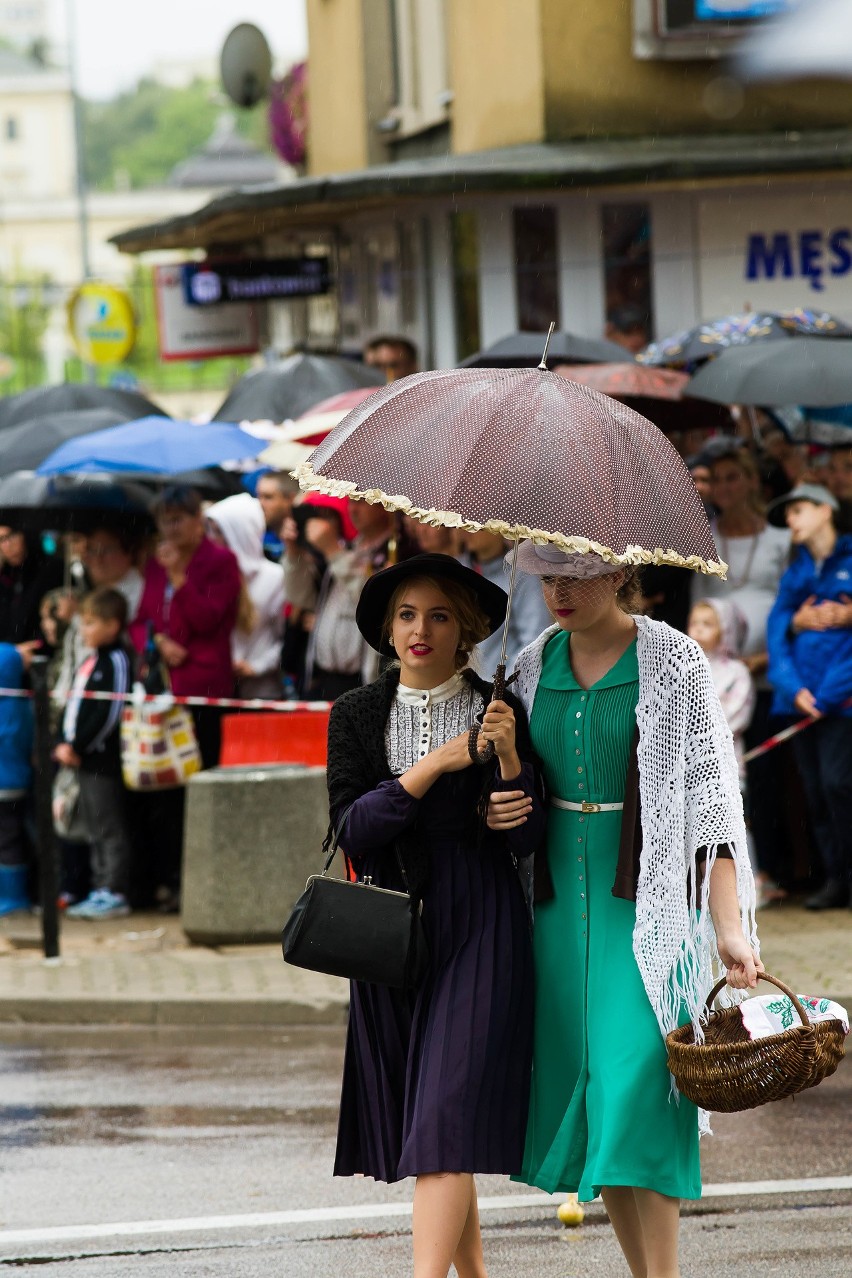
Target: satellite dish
pixel 246 65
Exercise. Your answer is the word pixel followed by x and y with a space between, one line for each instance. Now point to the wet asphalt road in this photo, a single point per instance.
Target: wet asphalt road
pixel 102 1126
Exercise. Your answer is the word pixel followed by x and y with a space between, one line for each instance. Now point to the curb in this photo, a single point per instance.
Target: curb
pixel 170 1011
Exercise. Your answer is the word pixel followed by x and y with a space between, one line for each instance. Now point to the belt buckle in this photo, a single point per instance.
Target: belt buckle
pixel 585 806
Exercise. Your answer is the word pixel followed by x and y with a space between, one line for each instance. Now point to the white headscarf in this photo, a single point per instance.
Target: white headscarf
pixel 240 521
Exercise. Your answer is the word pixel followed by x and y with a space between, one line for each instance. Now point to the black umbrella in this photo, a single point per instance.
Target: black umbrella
pixel 71 503
pixel 25 446
pixel 806 371
pixel 72 397
pixel 213 482
pixel 523 350
pixel 292 387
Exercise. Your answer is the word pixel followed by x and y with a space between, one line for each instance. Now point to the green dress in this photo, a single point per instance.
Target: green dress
pixel 601 1111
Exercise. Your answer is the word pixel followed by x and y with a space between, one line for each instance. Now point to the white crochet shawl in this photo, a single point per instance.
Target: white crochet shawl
pixel 690 798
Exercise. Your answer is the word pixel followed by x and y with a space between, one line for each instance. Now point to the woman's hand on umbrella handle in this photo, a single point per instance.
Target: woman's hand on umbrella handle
pixel 498 727
pixel 507 809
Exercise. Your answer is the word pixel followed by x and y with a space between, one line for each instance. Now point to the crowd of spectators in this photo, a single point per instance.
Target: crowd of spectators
pixel 255 597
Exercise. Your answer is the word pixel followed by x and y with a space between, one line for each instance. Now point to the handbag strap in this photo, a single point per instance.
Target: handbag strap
pixel 335 843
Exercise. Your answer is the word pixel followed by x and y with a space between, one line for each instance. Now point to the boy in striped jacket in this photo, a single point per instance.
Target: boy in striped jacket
pixel 91 742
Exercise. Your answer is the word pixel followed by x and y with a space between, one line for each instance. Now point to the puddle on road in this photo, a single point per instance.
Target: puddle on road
pixel 29 1125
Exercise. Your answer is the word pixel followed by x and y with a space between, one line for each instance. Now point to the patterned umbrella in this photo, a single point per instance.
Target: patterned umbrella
pixel 523 453
pixel 695 345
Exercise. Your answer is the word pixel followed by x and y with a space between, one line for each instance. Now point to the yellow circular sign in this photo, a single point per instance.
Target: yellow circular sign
pixel 102 323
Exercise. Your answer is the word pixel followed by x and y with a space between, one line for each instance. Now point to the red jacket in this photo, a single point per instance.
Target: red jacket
pixel 200 616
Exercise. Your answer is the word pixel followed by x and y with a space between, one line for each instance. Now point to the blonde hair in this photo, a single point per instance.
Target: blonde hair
pixel 742 458
pixel 472 620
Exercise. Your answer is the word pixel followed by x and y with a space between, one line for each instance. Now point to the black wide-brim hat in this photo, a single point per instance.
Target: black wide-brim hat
pixel 379 590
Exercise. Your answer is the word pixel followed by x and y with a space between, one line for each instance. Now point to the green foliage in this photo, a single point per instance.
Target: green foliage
pixel 24 311
pixel 138 137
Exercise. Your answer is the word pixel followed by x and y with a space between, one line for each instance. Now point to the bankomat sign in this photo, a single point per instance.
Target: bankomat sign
pixel 814 256
pixel 255 280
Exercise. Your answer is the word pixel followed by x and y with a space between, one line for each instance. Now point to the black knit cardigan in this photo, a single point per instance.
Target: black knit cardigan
pixel 357 761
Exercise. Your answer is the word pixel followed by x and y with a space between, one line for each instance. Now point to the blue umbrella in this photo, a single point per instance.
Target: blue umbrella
pixel 152 446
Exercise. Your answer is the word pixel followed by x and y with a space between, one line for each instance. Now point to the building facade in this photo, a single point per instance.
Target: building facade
pixel 475 169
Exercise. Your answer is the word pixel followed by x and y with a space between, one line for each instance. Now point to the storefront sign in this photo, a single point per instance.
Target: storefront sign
pixel 776 252
pixel 812 255
pixel 256 280
pixel 196 332
pixel 101 323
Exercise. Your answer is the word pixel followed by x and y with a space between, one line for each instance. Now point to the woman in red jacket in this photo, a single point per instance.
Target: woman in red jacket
pixel 190 598
pixel 189 602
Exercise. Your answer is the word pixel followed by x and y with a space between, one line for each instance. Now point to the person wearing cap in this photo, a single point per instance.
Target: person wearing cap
pixel 436 1079
pixel 646 885
pixel 810 668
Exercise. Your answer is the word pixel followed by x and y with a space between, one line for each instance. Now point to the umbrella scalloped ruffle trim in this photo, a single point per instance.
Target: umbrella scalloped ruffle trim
pixel 310 481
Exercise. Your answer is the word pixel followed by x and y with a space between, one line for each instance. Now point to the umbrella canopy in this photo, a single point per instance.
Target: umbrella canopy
pixel 311 428
pixel 524 350
pixel 72 397
pixel 807 371
pixel 290 388
pixel 25 446
pixel 152 445
pixel 814 40
pixel 656 393
pixel 702 342
pixel 622 380
pixel 71 504
pixel 522 453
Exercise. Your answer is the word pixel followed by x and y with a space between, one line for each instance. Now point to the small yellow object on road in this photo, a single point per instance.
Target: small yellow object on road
pixel 570 1212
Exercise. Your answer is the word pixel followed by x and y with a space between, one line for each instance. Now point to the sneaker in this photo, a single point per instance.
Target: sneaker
pixel 102 904
pixel 81 909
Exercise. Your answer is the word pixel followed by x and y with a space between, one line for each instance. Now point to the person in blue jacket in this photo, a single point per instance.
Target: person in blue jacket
pixel 810 669
pixel 16 774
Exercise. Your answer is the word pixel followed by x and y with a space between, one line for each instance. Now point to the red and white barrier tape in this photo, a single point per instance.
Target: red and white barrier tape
pixel 778 739
pixel 284 707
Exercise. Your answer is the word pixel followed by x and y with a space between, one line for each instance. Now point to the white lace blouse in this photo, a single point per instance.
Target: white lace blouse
pixel 421 719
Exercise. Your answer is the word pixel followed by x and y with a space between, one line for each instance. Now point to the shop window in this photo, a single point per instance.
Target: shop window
pixel 464 234
pixel 536 269
pixel 626 235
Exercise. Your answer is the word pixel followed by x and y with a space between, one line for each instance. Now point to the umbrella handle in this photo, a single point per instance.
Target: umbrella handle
pixel 485 756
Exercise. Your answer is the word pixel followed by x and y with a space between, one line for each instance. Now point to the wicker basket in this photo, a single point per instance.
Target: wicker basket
pixel 730 1071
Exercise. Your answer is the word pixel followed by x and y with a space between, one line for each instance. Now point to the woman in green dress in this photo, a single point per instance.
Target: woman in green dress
pixel 646 887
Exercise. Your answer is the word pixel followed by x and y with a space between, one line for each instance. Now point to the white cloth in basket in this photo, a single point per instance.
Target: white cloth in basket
pixel 774 1013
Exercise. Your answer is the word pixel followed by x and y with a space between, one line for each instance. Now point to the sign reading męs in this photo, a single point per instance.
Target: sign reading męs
pixel 812 255
pixel 774 248
pixel 255 280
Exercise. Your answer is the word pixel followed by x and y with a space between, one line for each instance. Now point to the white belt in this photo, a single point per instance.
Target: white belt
pixel 585 806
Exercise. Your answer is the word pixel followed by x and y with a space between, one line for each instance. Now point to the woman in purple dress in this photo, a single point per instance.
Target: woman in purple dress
pixel 436 1079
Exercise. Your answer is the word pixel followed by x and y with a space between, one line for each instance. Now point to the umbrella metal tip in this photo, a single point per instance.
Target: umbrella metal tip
pixel 542 368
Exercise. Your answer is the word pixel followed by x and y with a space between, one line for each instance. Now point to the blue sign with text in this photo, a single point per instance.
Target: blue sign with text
pixel 726 10
pixel 815 256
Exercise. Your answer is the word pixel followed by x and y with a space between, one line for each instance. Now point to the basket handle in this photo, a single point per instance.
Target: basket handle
pixel 773 980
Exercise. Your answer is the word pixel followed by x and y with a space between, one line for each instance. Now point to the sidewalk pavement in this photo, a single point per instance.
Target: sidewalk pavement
pixel 142 970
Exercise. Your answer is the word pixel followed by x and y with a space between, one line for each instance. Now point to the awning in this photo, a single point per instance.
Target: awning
pixel 316 201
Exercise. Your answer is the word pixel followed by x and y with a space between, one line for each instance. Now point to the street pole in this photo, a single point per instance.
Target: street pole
pixel 80 158
pixel 46 842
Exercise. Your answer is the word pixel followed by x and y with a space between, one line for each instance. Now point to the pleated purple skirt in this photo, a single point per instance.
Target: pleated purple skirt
pixel 437 1080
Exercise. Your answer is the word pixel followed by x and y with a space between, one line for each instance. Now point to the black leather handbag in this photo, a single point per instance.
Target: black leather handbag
pixel 356 929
